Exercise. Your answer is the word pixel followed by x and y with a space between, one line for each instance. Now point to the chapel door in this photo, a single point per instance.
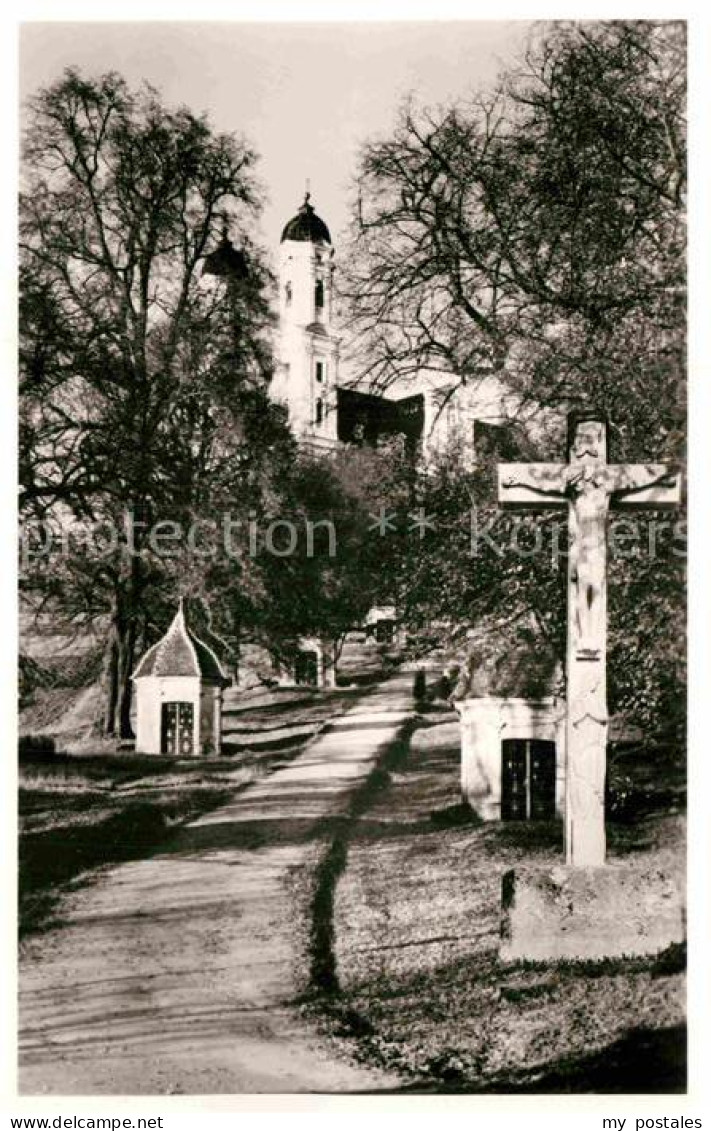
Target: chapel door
pixel 527 779
pixel 177 729
pixel 306 669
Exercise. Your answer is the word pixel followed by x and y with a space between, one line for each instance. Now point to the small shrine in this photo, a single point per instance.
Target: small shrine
pixel 312 665
pixel 512 718
pixel 179 684
pixel 381 624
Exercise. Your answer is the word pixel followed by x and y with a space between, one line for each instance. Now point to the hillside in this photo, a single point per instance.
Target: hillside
pixel 60 682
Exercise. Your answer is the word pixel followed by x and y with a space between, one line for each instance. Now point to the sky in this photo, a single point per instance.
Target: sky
pixel 305 95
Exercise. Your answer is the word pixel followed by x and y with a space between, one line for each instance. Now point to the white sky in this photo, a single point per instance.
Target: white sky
pixel 305 95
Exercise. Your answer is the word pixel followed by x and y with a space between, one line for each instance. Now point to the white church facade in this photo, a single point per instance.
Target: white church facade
pixel 179 689
pixel 328 406
pixel 307 371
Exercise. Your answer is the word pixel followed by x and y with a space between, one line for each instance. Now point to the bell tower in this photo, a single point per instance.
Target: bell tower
pixel 307 370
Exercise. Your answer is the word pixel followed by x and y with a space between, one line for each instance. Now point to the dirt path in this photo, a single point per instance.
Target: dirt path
pixel 180 973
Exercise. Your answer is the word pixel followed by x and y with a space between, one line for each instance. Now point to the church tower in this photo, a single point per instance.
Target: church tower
pixel 307 369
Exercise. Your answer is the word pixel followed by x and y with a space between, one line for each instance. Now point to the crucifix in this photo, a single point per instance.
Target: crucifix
pixel 586 487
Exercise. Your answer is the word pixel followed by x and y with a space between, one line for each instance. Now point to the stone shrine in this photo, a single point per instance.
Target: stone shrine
pixel 512 719
pixel 313 665
pixel 179 684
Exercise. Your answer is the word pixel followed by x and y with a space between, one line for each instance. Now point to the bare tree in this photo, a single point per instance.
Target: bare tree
pixel 131 372
pixel 537 231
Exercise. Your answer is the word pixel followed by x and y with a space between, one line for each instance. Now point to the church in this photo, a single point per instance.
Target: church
pixel 330 404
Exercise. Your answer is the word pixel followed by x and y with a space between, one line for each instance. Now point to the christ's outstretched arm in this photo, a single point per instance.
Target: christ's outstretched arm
pixel 544 492
pixel 628 482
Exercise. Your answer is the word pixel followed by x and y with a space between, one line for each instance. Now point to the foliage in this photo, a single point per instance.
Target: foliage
pixel 143 395
pixel 324 587
pixel 539 229
pixel 537 233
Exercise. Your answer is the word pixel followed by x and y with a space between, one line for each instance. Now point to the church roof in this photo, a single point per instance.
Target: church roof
pixel 180 653
pixel 226 259
pixel 306 226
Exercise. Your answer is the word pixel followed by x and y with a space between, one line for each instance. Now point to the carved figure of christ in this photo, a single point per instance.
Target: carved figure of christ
pixel 585 487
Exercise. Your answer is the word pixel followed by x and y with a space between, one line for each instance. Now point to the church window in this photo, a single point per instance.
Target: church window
pixel 319 294
pixel 287 291
pixel 319 411
pixel 320 370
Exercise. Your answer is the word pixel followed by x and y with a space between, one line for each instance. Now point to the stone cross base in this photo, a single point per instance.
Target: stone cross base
pixel 589 913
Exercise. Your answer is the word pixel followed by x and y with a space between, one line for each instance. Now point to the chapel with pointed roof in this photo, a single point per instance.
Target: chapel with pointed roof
pixel 179 683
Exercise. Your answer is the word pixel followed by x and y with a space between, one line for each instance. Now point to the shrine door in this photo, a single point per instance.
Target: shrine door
pixel 177 729
pixel 527 779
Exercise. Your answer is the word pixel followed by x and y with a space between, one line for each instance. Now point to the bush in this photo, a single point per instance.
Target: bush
pixel 419 689
pixel 622 799
pixel 36 748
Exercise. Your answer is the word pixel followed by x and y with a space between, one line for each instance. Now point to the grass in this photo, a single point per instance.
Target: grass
pixel 416 922
pixel 83 811
pixel 264 719
pixel 80 813
pixel 84 817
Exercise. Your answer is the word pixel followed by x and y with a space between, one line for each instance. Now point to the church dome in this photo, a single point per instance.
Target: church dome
pixel 306 226
pixel 226 260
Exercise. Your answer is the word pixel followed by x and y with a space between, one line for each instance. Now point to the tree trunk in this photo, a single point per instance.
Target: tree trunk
pixel 125 686
pixel 111 685
pixel 121 654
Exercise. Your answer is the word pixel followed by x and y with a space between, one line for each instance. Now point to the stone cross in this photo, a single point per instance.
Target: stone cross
pixel 585 486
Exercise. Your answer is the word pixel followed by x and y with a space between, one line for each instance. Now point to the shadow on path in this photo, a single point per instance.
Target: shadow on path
pixel 181 972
